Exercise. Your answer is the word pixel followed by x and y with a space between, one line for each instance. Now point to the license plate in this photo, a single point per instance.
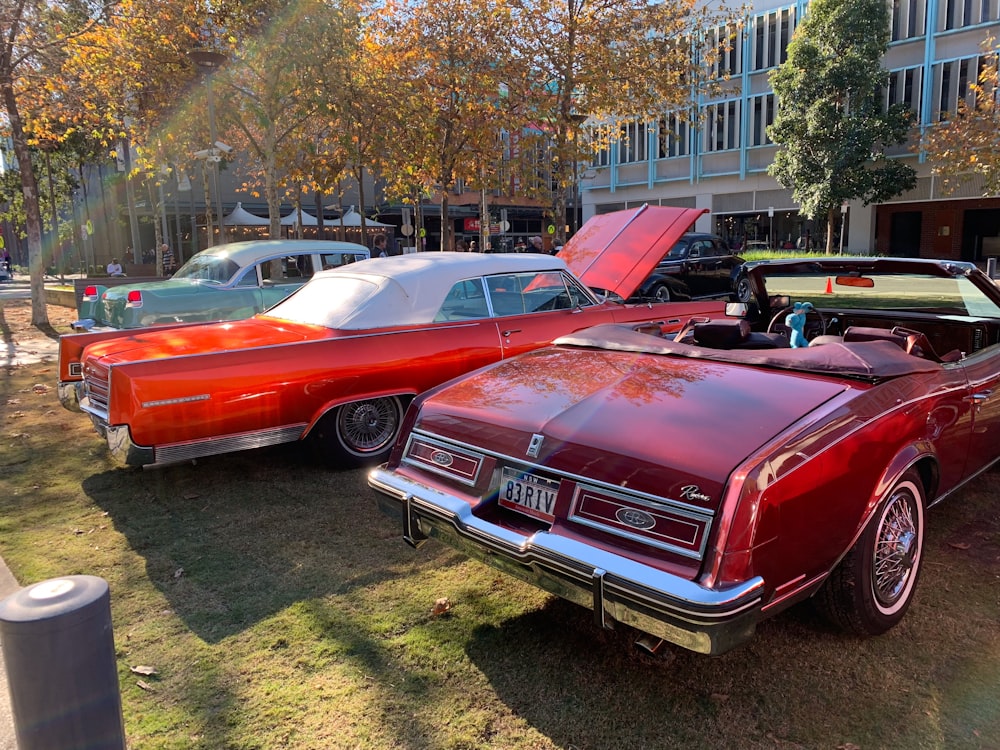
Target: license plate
pixel 529 494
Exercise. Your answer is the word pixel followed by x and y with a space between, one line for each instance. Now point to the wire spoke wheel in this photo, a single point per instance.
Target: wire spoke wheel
pixel 370 426
pixel 897 549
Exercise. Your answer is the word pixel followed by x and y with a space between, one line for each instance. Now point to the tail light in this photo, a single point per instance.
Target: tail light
pixel 89 293
pixel 134 298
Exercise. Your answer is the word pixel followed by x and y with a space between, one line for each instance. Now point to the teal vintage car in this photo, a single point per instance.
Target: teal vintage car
pixel 226 282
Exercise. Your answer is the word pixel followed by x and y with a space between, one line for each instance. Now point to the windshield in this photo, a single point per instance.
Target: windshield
pixel 680 250
pixel 913 292
pixel 325 301
pixel 212 269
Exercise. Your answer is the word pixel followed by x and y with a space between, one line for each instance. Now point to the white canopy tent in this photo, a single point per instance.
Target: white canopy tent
pixel 304 219
pixel 352 218
pixel 240 217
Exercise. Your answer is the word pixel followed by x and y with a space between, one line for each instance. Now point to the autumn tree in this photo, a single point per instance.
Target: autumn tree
pixel 33 34
pixel 967 143
pixel 831 125
pixel 606 62
pixel 446 65
pixel 277 84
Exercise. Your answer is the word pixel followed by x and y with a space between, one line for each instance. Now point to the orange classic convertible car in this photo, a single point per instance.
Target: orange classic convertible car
pixel 339 360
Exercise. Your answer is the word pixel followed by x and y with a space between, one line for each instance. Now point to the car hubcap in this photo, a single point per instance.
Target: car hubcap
pixel 368 426
pixel 896 550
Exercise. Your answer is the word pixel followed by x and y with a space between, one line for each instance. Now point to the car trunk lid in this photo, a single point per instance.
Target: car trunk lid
pixel 151 343
pixel 662 426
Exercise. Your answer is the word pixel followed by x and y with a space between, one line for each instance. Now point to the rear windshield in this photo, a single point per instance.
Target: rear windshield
pixel 212 269
pixel 325 301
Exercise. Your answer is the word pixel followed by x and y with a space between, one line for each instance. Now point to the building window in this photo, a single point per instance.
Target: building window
pixel 952 80
pixel 957 14
pixel 904 88
pixel 907 19
pixel 721 127
pixel 762 115
pixel 769 37
pixel 632 142
pixel 673 137
pixel 728 42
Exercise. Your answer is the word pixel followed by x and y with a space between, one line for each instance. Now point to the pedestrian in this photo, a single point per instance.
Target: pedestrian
pixel 8 263
pixel 461 246
pixel 168 258
pixel 519 246
pixel 536 245
pixel 114 268
pixel 378 247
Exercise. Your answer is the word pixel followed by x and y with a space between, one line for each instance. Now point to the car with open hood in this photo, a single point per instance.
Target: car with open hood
pixel 698 266
pixel 692 483
pixel 225 282
pixel 338 360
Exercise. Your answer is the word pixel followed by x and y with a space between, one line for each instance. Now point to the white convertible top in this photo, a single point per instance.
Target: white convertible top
pixel 412 287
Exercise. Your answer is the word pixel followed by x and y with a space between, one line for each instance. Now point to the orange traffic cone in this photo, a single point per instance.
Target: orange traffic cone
pixel 829 286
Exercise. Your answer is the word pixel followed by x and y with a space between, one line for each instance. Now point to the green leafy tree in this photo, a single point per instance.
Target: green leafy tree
pixel 967 143
pixel 831 124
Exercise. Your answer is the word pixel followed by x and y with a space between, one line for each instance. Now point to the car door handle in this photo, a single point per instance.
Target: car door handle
pixel 509 331
pixel 980 396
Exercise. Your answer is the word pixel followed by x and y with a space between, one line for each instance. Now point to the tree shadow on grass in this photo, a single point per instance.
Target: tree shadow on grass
pixel 236 538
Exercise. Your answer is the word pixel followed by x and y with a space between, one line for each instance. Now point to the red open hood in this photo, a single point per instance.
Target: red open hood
pixel 617 251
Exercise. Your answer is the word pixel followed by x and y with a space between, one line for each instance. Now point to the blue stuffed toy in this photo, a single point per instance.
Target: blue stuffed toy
pixel 796 321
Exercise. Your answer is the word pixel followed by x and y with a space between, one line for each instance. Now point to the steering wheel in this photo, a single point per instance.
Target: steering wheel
pixel 810 331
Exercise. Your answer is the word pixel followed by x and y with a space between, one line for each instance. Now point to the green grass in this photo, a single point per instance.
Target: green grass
pixel 281 610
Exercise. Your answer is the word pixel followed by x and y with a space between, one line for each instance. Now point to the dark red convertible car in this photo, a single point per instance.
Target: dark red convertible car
pixel 692 484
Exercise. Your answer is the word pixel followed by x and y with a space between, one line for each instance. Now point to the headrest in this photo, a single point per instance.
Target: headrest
pixel 721 334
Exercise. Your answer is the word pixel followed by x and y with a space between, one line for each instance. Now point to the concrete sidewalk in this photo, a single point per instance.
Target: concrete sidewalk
pixel 8 741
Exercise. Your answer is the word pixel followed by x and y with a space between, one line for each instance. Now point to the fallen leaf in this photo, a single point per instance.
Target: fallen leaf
pixel 441 606
pixel 145 686
pixel 848 746
pixel 144 670
pixel 178 573
pixel 39 388
pixel 959 545
pixel 191 496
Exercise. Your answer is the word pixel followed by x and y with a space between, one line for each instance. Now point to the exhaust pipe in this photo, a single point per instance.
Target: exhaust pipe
pixel 652 646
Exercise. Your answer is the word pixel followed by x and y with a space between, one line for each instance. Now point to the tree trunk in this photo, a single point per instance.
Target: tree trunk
pixel 447 231
pixel 829 229
pixel 33 216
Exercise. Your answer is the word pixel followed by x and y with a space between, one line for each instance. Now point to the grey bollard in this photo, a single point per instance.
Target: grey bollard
pixel 991 266
pixel 59 652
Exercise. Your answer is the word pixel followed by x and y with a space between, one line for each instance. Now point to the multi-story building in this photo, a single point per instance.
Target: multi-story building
pixel 720 163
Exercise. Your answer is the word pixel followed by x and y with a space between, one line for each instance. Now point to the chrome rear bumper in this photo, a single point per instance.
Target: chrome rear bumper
pixel 616 588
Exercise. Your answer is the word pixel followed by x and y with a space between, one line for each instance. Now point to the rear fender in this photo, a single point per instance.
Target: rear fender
pixel 907 457
pixel 404 396
pixel 71 346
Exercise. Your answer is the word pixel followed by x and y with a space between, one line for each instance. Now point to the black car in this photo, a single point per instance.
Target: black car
pixel 699 265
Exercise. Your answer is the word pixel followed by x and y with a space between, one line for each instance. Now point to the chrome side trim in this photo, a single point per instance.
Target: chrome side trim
pixel 229 444
pixel 125 452
pixel 617 589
